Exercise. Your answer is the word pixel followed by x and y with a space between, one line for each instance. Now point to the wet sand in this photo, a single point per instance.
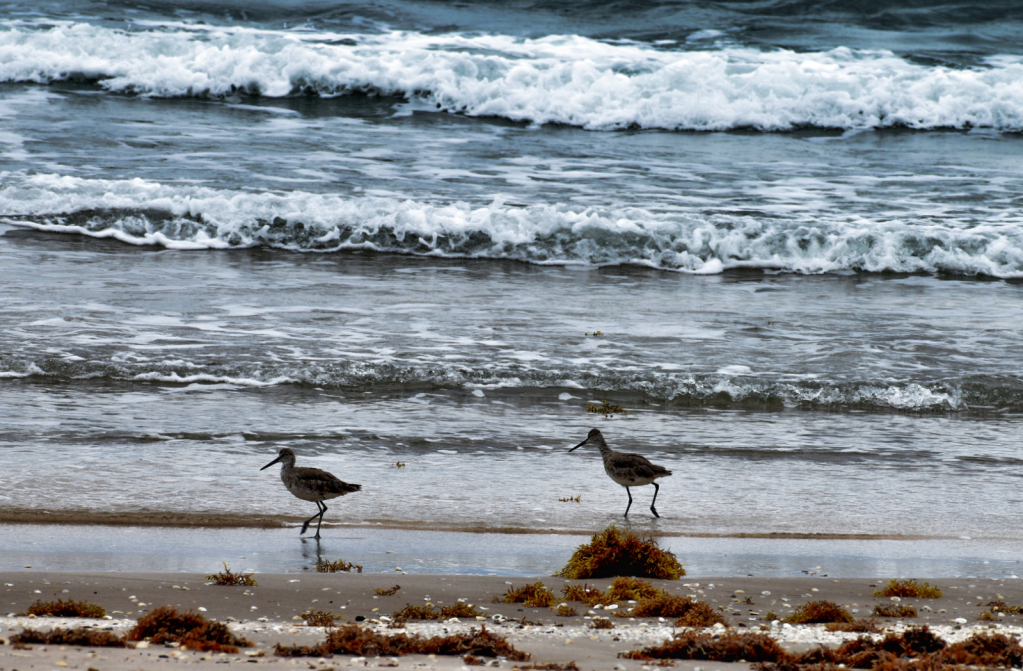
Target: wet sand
pixel 271 612
pixel 281 550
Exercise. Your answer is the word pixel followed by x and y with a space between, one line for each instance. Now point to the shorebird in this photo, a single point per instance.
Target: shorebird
pixel 628 470
pixel 310 484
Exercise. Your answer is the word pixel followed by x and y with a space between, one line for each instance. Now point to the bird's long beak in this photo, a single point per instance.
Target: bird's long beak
pixel 270 464
pixel 579 445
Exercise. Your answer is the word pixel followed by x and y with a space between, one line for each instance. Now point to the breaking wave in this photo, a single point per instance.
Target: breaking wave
pixel 179 217
pixel 680 390
pixel 569 80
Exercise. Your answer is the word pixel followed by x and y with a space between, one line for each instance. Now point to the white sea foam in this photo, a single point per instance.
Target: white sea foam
pixel 189 217
pixel 559 79
pixel 211 380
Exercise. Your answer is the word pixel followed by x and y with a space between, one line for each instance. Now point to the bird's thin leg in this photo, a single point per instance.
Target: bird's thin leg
pixel 630 502
pixel 657 489
pixel 317 536
pixel 305 525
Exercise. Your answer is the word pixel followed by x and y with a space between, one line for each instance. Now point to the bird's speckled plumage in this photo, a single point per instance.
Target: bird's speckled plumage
pixel 627 469
pixel 310 484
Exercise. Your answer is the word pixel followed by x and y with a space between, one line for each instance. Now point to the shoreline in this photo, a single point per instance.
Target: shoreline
pixel 379 549
pixel 215 520
pixel 271 612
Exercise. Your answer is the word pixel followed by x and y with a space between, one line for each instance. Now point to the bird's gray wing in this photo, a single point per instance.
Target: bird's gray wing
pixel 638 466
pixel 323 481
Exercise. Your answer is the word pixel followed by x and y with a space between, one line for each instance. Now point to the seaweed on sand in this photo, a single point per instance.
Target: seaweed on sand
pixel 61 608
pixel 627 588
pixel 602 623
pixel 622 589
pixel 227 577
pixel 819 612
pixel 856 626
pixel 894 610
pixel 988 650
pixel 701 615
pixel 916 649
pixel 390 591
pixel 78 637
pixel 336 566
pixel 361 641
pixel 460 609
pixel 536 595
pixel 866 653
pixel 909 588
pixel 584 593
pixel 612 553
pixel 165 625
pixel 663 604
pixel 1002 607
pixel 689 613
pixel 728 647
pixel 321 618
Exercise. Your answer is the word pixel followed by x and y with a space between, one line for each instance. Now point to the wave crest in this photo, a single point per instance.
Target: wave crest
pixel 569 80
pixel 146 213
pixel 671 390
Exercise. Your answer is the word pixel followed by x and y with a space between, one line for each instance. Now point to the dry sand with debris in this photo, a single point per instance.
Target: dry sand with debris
pixel 271 613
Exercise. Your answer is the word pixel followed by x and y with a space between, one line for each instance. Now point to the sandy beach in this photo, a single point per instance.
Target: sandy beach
pixel 271 613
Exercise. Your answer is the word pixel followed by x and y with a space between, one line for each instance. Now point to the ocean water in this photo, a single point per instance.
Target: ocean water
pixel 414 240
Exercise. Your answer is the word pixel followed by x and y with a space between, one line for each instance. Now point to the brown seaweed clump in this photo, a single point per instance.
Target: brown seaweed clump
pixel 61 608
pixel 605 408
pixel 549 666
pixel 894 610
pixel 536 595
pixel 78 637
pixel 227 577
pixel 564 610
pixel 584 593
pixel 916 649
pixel 612 553
pixel 689 613
pixel 866 653
pixel 1002 607
pixel 989 650
pixel 622 589
pixel 337 566
pixel 856 626
pixel 701 615
pixel 410 612
pixel 819 612
pixel 728 647
pixel 909 588
pixel 166 625
pixel 602 623
pixel 627 588
pixel 360 641
pixel 321 618
pixel 390 591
